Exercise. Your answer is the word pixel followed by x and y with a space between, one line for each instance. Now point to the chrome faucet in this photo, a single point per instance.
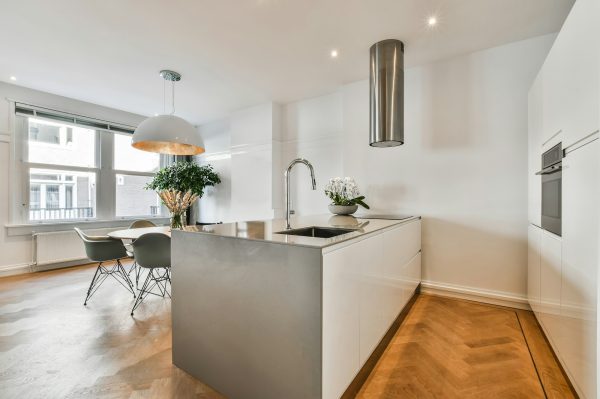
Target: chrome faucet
pixel 287 185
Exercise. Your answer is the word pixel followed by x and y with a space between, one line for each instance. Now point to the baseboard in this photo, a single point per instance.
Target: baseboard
pixel 25 268
pixel 499 298
pixel 13 270
pixel 60 265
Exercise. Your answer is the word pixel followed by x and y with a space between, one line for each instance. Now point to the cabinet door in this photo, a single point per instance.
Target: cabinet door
pixel 579 55
pixel 412 273
pixel 535 121
pixel 550 275
pixel 581 202
pixel 401 245
pixel 340 320
pixel 553 84
pixel 534 241
pixel 372 294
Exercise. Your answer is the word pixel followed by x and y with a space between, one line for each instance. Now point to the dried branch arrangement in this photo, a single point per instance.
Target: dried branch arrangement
pixel 177 202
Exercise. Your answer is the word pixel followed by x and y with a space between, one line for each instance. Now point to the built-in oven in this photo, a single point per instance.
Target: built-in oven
pixel 552 189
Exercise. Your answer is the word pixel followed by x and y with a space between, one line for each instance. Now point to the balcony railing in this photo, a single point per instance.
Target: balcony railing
pixel 60 213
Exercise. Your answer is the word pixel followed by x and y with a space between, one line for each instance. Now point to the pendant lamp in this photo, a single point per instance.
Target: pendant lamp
pixel 167 133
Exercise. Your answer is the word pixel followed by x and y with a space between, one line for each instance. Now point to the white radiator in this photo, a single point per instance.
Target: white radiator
pixel 62 246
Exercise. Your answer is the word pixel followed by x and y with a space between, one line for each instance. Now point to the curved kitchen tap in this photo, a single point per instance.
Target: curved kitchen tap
pixel 287 185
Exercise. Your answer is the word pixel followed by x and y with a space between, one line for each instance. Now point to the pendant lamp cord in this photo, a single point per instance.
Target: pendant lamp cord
pixel 172 97
pixel 172 80
pixel 164 97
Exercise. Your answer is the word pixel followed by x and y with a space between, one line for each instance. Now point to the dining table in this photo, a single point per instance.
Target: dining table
pixel 134 234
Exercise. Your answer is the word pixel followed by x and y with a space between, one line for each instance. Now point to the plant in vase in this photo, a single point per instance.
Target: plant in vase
pixel 179 185
pixel 177 203
pixel 345 196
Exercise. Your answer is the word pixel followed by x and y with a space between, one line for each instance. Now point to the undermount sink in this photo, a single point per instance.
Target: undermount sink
pixel 314 231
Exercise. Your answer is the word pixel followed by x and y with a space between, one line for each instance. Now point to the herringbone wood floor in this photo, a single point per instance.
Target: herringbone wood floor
pixel 448 348
pixel 53 347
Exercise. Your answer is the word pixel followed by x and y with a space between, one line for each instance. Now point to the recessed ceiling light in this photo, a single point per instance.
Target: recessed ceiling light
pixel 334 53
pixel 13 78
pixel 432 21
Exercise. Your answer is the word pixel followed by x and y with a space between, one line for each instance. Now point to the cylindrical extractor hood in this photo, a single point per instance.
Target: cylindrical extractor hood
pixel 387 94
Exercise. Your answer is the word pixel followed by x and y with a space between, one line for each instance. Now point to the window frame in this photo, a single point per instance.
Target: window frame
pixel 105 201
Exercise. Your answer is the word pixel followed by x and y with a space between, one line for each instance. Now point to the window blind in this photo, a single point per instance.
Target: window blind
pixel 84 121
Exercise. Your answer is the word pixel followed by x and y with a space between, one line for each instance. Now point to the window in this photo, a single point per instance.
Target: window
pixel 68 197
pixel 61 163
pixel 136 170
pixel 52 201
pixel 133 199
pixel 131 159
pixel 71 146
pixel 61 195
pixel 81 170
pixel 34 196
pixel 44 133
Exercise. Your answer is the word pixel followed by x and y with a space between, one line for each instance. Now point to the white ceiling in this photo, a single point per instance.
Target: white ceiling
pixel 237 53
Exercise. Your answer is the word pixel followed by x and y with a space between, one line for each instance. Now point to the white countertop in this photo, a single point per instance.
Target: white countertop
pixel 267 230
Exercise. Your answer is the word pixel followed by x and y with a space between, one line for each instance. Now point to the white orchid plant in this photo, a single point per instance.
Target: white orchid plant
pixel 344 192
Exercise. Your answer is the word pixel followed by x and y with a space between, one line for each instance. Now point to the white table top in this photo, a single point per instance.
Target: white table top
pixel 134 234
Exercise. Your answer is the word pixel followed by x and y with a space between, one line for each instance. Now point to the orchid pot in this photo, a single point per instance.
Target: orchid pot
pixel 344 195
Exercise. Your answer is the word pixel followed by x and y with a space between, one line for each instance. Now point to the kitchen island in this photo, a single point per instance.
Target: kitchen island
pixel 260 314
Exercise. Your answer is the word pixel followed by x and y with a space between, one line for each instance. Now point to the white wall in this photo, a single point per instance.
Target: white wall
pixel 464 164
pixel 313 129
pixel 243 148
pixel 463 167
pixel 16 252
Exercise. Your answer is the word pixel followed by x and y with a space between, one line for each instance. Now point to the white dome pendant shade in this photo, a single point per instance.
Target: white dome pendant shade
pixel 168 134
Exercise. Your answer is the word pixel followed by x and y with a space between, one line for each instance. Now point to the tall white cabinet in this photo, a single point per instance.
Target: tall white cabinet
pixel 562 273
pixel 581 200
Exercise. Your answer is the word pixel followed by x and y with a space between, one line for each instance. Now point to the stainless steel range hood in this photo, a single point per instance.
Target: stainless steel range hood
pixel 387 94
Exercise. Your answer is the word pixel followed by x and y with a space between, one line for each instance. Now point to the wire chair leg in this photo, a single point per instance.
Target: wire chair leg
pixel 162 281
pixel 166 283
pixel 94 280
pixel 142 293
pixel 138 274
pixel 123 273
pixel 136 271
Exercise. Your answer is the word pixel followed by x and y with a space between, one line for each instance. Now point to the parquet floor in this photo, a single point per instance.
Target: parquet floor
pixel 53 347
pixel 447 348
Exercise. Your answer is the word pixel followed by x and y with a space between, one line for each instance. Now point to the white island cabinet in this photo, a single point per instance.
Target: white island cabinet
pixel 365 287
pixel 258 313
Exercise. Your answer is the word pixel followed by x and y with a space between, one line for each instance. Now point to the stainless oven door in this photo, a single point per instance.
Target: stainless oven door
pixel 552 199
